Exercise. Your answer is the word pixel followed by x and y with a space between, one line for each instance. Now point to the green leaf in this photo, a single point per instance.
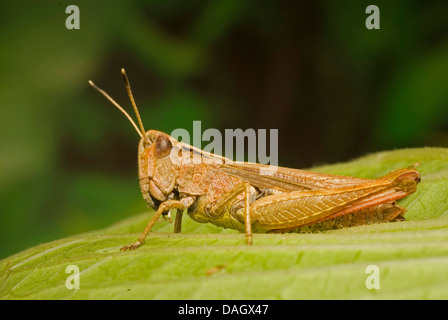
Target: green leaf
pixel 206 262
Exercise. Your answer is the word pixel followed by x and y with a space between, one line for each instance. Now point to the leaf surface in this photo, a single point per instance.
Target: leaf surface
pixel 207 262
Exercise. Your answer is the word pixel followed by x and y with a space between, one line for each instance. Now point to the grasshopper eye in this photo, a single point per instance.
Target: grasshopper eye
pixel 163 146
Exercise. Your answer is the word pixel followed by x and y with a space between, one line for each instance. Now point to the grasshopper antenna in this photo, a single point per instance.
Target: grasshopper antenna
pixel 131 97
pixel 118 107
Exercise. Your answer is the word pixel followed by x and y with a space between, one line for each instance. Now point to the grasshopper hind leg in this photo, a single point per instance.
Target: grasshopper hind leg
pixel 247 221
pixel 242 213
pixel 388 212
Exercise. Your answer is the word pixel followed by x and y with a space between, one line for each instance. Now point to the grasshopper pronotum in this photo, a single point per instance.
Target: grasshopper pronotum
pixel 235 195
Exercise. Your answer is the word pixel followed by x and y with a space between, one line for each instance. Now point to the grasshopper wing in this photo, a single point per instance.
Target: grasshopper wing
pixel 287 179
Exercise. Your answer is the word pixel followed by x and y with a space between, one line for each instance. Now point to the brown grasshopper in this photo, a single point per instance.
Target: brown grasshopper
pixel 235 195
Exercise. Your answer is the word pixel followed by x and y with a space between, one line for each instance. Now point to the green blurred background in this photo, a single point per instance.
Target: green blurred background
pixel 334 89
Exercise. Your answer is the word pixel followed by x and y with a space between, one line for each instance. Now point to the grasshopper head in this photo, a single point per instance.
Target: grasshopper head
pixel 157 173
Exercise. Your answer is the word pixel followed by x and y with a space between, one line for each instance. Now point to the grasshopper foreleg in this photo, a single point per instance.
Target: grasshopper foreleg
pixel 387 212
pixel 164 206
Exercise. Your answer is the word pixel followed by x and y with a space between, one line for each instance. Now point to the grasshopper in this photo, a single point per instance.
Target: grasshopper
pixel 235 195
